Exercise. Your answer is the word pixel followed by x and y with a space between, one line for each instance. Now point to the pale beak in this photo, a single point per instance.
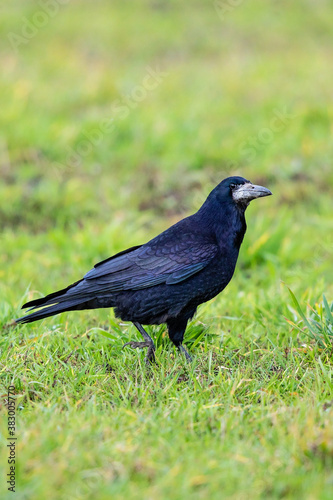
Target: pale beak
pixel 248 191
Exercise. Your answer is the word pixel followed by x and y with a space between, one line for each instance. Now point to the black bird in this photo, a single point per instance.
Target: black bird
pixel 166 279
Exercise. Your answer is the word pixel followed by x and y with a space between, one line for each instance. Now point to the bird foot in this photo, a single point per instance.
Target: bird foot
pixel 137 345
pixel 187 354
pixel 150 356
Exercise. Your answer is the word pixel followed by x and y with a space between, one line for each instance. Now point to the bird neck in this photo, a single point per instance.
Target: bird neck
pixel 226 220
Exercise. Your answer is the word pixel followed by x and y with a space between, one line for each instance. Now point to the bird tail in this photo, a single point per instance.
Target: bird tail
pixel 72 298
pixel 43 313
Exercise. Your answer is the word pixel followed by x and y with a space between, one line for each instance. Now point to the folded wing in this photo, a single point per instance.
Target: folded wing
pixel 153 264
pixel 162 260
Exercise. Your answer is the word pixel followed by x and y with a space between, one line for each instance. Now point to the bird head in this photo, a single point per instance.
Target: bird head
pixel 235 192
pixel 243 191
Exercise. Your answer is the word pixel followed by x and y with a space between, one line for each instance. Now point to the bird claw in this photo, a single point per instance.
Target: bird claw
pixel 137 345
pixel 187 354
pixel 150 356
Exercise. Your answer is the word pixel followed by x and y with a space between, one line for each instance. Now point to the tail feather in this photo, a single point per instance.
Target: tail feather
pixel 63 300
pixel 43 313
pixel 51 298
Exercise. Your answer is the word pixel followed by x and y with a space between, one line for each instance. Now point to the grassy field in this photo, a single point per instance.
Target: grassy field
pixel 117 118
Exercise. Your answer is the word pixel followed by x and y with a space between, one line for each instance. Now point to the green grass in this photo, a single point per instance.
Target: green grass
pixel 246 92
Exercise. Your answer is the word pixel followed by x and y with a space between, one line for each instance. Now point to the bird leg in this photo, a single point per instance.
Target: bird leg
pixel 184 351
pixel 148 342
pixel 176 329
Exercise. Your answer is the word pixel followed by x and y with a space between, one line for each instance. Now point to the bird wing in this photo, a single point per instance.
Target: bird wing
pixel 163 260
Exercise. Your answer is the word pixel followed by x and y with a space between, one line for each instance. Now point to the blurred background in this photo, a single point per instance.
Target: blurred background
pixel 119 117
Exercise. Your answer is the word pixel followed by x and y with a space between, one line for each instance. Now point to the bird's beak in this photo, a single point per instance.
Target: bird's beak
pixel 248 191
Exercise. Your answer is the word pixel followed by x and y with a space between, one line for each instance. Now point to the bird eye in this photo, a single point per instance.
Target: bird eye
pixel 232 186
